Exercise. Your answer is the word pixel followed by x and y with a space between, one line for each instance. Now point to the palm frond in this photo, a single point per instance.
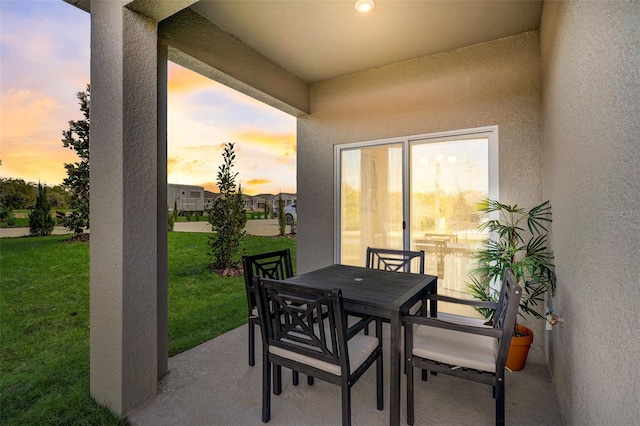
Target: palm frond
pixel 523 249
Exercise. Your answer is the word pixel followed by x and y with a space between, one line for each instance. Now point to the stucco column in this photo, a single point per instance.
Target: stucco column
pixel 125 218
pixel 162 220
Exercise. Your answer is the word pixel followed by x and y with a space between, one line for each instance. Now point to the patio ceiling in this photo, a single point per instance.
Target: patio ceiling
pixel 323 40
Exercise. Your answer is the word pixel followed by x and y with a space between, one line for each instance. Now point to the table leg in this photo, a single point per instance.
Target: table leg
pixel 395 359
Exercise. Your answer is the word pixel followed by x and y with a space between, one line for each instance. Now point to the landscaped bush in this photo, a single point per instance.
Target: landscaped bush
pixel 41 222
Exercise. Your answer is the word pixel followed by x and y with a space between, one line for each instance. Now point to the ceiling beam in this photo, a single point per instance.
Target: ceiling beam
pixel 198 44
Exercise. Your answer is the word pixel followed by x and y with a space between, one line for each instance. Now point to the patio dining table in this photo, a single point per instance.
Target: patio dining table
pixel 383 294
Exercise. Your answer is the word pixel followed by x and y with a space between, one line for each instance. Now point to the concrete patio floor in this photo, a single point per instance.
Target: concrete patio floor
pixel 212 384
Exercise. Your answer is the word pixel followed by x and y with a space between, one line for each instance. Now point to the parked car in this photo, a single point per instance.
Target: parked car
pixel 290 213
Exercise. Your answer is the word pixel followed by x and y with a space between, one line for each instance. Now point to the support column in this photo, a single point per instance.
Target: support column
pixel 125 208
pixel 163 273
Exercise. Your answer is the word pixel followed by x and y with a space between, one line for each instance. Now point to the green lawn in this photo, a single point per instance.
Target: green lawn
pixel 19 222
pixel 44 321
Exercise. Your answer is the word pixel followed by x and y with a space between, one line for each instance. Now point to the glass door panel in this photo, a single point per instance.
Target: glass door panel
pixel 371 197
pixel 448 178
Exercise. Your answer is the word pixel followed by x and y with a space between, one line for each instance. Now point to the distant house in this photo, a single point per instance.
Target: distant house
pixel 257 203
pixel 287 198
pixel 209 198
pixel 185 197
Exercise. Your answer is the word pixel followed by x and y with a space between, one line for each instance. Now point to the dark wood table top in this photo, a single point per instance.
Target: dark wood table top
pixel 365 289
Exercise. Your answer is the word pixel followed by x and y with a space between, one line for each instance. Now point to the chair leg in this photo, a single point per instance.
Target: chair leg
pixel 410 402
pixel 379 384
pixel 499 389
pixel 266 390
pixel 252 344
pixel 295 379
pixel 277 379
pixel 346 405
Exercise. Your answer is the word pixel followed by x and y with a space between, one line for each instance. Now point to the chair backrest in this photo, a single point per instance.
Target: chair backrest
pixel 507 313
pixel 289 314
pixel 394 260
pixel 275 265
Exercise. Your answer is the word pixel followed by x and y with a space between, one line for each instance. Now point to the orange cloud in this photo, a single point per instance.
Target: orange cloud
pixel 31 133
pixel 256 182
pixel 180 79
pixel 183 80
pixel 210 186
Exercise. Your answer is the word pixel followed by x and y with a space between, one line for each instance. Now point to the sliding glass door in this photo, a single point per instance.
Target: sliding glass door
pixel 417 193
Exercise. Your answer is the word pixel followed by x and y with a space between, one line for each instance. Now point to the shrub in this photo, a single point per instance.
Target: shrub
pixel 227 217
pixel 7 215
pixel 41 222
pixel 171 221
pixel 282 221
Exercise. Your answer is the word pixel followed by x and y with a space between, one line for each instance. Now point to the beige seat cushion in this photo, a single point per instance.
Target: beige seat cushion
pixel 455 348
pixel 359 347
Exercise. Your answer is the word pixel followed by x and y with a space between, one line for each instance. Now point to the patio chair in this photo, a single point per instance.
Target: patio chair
pixel 275 265
pixel 396 261
pixel 477 353
pixel 293 337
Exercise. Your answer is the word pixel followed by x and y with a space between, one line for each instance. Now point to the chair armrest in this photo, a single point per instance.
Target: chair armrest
pixel 438 323
pixel 476 303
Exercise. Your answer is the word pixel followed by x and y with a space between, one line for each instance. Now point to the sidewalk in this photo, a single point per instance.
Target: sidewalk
pixel 22 232
pixel 262 227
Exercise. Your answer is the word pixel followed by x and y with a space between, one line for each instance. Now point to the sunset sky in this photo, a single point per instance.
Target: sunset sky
pixel 44 62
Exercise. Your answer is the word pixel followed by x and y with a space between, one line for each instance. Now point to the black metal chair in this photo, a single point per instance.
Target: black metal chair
pixel 477 353
pixel 396 261
pixel 275 265
pixel 294 337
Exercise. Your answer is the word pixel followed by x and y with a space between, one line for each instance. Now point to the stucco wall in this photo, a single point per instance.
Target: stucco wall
pixel 591 130
pixel 496 83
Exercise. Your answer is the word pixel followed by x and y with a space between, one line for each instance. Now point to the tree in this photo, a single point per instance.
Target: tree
pixel 41 222
pixel 227 217
pixel 17 194
pixel 77 180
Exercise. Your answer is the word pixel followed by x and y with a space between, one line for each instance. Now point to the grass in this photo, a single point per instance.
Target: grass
pixel 44 321
pixel 192 287
pixel 19 222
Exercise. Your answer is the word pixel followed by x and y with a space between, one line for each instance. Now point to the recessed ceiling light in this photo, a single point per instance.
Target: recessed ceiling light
pixel 365 5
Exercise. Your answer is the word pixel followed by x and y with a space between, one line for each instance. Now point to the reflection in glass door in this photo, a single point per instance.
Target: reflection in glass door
pixel 371 198
pixel 448 179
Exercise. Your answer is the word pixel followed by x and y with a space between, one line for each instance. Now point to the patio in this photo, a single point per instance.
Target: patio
pixel 561 90
pixel 212 384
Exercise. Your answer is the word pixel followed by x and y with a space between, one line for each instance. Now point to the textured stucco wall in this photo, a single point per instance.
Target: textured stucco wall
pixel 496 83
pixel 591 131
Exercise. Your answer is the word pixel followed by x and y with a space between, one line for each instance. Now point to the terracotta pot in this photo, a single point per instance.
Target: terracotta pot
pixel 519 348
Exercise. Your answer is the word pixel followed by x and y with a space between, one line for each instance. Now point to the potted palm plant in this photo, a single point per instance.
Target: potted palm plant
pixel 517 240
